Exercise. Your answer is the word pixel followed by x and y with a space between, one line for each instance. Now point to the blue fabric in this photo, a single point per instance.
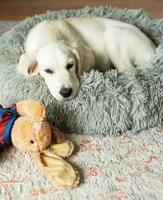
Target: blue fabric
pixel 7 119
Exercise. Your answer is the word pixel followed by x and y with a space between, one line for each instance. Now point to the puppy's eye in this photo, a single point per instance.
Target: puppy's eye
pixel 70 65
pixel 49 71
pixel 32 142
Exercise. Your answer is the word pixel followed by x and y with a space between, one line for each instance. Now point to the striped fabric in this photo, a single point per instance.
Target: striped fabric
pixel 7 119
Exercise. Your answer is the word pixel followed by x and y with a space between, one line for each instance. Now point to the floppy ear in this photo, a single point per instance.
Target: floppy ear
pixel 77 62
pixel 57 169
pixel 28 64
pixel 84 58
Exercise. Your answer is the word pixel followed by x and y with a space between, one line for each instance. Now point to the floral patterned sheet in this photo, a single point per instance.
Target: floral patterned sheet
pixel 116 168
pixel 129 167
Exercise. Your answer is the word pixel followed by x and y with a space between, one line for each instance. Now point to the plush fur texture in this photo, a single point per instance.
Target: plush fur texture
pixel 109 103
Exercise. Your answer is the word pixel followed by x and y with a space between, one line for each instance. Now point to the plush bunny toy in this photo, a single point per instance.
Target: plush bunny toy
pixel 30 132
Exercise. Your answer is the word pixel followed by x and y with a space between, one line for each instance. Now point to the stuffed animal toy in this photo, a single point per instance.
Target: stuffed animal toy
pixel 24 126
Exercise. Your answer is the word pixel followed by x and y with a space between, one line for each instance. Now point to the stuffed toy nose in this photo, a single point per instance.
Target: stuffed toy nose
pixel 36 127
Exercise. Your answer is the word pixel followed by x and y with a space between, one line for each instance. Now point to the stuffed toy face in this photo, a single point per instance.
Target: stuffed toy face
pixel 31 135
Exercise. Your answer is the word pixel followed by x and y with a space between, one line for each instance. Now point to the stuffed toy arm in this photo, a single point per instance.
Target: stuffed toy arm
pixel 59 145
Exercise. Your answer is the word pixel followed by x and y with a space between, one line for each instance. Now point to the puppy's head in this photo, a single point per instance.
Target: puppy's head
pixel 58 64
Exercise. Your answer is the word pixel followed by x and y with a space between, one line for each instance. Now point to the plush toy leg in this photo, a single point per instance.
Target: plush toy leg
pixel 59 145
pixel 57 169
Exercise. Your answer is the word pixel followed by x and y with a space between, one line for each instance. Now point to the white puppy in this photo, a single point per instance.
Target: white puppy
pixel 60 50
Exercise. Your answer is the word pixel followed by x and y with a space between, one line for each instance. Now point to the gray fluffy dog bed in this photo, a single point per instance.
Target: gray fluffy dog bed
pixel 108 103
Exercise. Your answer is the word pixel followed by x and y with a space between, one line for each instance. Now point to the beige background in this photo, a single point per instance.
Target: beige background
pixel 19 9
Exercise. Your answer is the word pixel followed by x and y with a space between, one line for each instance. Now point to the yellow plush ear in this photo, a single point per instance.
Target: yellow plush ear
pixel 57 169
pixel 31 108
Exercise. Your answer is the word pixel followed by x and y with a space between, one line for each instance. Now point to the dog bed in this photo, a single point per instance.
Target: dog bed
pixel 109 102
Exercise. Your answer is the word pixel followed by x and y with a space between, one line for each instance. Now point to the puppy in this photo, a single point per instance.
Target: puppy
pixel 61 50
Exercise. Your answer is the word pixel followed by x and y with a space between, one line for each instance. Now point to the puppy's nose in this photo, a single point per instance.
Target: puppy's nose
pixel 66 92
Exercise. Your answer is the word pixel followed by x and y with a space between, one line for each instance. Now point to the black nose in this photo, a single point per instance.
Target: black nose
pixel 66 92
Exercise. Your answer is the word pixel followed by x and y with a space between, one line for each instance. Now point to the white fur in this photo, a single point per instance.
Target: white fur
pixel 88 43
